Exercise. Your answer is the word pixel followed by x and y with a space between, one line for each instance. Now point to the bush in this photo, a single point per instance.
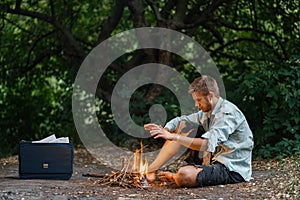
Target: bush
pixel 281 149
pixel 32 110
pixel 270 97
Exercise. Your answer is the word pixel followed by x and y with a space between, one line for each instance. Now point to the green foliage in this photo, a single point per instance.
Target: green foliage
pixel 38 68
pixel 271 96
pixel 32 110
pixel 281 149
pixel 249 41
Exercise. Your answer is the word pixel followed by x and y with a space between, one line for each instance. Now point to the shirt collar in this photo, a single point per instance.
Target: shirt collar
pixel 218 105
pixel 207 115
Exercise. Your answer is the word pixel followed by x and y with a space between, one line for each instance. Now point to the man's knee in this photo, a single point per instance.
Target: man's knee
pixel 187 176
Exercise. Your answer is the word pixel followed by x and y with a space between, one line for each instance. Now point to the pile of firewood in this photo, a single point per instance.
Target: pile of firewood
pixel 124 179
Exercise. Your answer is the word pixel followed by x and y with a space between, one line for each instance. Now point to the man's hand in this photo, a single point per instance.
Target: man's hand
pixel 151 126
pixel 160 132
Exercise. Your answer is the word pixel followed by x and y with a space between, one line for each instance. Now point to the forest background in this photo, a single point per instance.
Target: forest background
pixel 254 43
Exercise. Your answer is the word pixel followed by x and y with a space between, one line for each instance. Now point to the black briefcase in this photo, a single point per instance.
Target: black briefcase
pixel 45 160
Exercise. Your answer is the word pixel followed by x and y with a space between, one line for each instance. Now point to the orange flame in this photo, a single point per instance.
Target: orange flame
pixel 140 164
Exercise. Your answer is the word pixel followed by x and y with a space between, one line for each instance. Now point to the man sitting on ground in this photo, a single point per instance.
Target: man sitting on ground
pixel 227 137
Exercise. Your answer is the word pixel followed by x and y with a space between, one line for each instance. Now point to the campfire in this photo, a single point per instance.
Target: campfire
pixel 132 174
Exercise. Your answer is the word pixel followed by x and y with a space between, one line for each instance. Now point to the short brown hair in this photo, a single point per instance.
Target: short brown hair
pixel 204 84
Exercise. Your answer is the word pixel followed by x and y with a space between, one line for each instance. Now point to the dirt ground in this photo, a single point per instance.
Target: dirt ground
pixel 272 180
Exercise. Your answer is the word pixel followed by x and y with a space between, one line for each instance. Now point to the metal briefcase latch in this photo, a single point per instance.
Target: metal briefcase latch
pixel 45 165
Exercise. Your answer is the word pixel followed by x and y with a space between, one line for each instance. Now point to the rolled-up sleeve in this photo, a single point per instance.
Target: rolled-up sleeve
pixel 173 124
pixel 224 124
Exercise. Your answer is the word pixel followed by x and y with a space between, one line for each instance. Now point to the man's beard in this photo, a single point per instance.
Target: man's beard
pixel 207 106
